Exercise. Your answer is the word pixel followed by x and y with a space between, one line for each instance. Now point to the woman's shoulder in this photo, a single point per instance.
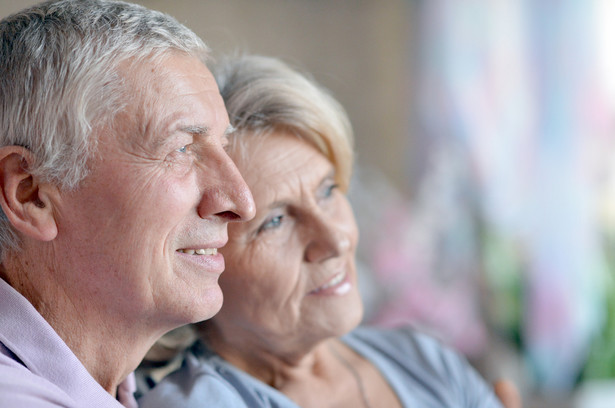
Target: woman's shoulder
pixel 402 338
pixel 206 379
pixel 406 344
pixel 196 382
pixel 420 359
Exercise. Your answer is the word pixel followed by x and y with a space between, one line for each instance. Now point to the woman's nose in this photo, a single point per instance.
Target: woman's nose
pixel 327 241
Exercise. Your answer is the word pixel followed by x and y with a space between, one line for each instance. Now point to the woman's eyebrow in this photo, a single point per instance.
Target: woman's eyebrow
pixel 329 176
pixel 277 204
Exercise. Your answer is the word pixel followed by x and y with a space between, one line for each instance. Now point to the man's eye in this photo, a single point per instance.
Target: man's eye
pixel 272 223
pixel 226 144
pixel 183 149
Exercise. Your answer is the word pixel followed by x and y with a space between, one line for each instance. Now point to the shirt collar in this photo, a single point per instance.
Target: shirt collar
pixel 36 344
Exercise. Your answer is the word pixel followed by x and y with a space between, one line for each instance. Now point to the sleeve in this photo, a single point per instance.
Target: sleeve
pixel 458 380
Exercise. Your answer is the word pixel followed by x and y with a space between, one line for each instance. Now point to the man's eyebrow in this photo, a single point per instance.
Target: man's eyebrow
pixel 195 130
pixel 204 130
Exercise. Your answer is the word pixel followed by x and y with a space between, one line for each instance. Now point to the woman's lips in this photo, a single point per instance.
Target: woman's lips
pixel 337 285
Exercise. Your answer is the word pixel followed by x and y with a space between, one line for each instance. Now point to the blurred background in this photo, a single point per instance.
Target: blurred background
pixel 485 176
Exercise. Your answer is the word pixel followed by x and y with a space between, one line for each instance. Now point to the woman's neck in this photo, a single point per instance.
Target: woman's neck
pixel 266 361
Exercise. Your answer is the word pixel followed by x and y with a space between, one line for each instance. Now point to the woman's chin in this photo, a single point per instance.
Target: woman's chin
pixel 346 318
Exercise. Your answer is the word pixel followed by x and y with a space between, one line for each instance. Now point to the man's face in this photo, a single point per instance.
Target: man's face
pixel 139 237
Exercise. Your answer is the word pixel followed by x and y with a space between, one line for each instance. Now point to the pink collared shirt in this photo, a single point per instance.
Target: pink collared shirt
pixel 37 369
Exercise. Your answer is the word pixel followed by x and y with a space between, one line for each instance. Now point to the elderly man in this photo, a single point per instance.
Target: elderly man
pixel 116 192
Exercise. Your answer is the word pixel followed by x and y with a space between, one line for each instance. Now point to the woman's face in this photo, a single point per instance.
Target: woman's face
pixel 290 274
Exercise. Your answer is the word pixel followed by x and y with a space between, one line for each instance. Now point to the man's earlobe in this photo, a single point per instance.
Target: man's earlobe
pixel 25 200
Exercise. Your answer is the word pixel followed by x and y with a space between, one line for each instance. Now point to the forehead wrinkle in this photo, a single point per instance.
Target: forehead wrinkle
pixel 287 193
pixel 157 131
pixel 279 182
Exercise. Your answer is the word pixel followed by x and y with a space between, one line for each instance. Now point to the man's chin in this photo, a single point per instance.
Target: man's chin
pixel 210 306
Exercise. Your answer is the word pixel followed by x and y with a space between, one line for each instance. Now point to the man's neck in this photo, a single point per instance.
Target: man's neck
pixel 108 348
pixel 108 353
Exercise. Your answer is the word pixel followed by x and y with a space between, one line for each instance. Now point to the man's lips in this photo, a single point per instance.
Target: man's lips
pixel 205 258
pixel 200 251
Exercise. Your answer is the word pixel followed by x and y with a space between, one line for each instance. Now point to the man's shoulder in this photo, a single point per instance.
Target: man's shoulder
pixel 19 387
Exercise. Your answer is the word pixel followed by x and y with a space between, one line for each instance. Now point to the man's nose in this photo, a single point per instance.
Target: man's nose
pixel 226 193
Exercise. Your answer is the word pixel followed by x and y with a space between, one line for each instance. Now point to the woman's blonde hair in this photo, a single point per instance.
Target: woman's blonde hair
pixel 264 94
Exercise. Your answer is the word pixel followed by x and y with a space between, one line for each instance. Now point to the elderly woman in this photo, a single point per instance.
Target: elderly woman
pixel 287 333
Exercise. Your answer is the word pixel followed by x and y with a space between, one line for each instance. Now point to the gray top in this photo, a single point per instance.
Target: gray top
pixel 419 369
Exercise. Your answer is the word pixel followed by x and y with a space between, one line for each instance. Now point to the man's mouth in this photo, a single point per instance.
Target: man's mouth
pixel 200 251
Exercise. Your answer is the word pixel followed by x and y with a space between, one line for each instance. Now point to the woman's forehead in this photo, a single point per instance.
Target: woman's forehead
pixel 281 163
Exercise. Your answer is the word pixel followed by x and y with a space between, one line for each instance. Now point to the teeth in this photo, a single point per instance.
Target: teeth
pixel 201 251
pixel 337 279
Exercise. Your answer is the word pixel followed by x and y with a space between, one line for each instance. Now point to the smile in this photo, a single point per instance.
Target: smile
pixel 337 285
pixel 201 251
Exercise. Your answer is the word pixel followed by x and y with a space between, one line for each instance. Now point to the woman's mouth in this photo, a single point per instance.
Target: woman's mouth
pixel 337 285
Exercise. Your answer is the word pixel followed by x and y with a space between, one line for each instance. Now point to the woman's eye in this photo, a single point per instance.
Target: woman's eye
pixel 329 190
pixel 272 223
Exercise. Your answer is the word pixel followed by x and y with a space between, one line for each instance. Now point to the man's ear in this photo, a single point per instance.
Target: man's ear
pixel 26 201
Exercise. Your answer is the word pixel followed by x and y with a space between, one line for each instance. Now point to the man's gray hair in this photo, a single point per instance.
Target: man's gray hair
pixel 59 78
